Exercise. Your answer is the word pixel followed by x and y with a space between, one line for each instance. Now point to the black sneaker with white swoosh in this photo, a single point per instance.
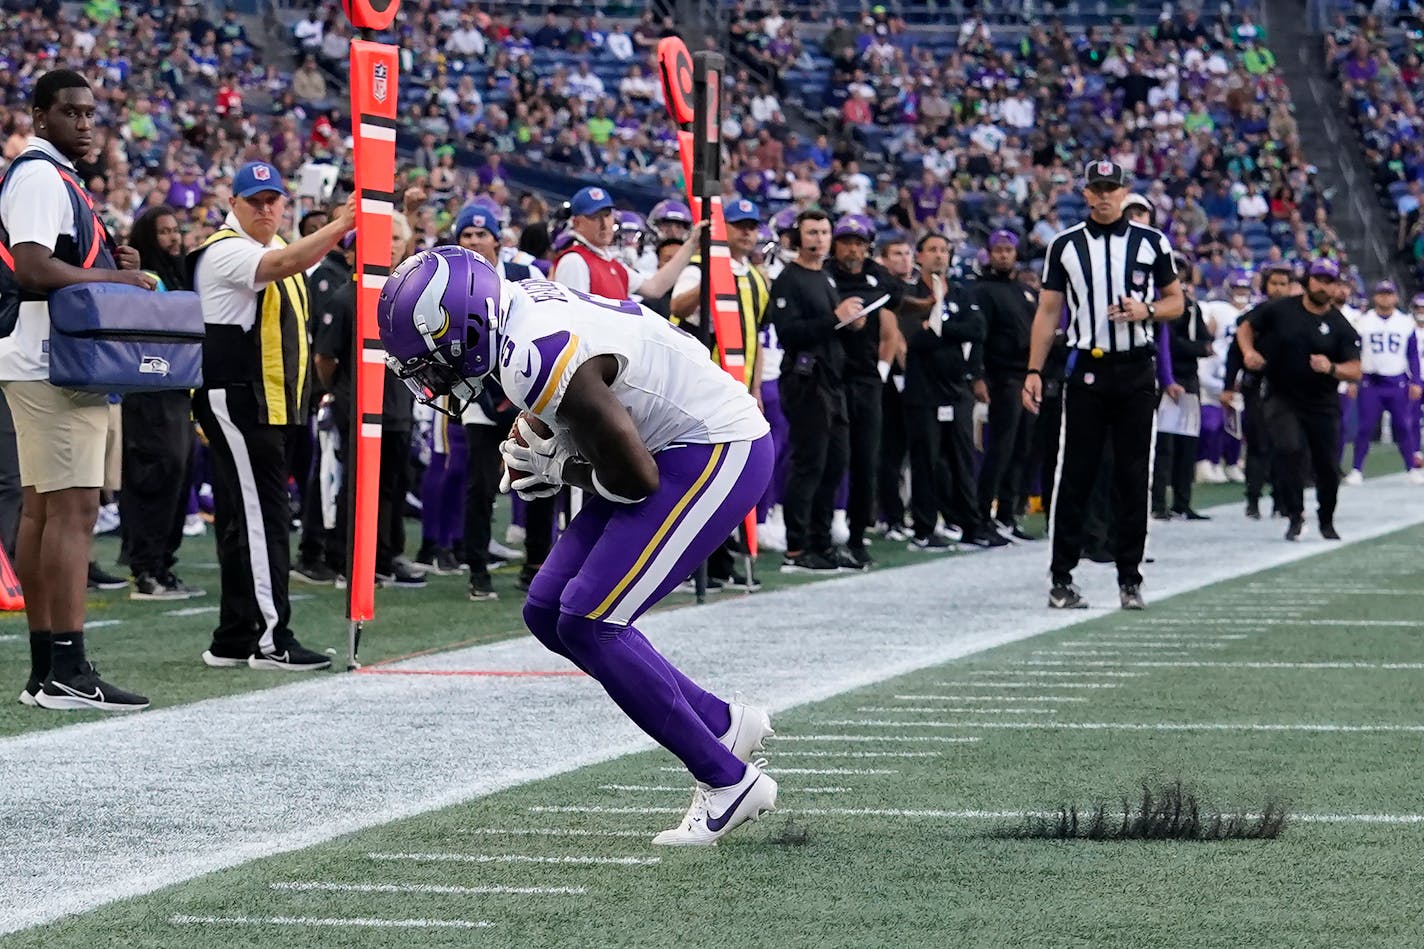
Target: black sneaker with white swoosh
pixel 291 657
pixel 83 689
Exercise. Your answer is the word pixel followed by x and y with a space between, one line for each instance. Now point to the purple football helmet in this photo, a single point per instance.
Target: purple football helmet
pixel 783 220
pixel 439 317
pixel 669 212
pixel 629 230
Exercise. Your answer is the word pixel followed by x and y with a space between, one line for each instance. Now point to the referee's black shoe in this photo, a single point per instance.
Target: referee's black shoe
pixel 1187 514
pixel 1253 508
pixel 1130 596
pixel 1296 528
pixel 1327 530
pixel 1065 596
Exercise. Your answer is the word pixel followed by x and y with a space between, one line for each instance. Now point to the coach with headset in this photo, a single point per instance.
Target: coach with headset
pixel 1118 279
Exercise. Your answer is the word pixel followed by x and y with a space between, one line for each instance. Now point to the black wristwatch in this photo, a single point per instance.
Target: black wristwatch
pixel 1033 372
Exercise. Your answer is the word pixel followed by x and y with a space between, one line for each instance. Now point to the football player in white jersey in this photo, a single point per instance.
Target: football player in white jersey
pixel 1215 445
pixel 671 453
pixel 1389 359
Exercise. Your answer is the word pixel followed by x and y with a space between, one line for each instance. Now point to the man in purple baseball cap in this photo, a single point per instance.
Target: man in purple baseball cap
pixel 1304 347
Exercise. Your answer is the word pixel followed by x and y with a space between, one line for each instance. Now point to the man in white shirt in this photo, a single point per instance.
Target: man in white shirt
pixel 254 399
pixel 589 264
pixel 55 240
pixel 467 40
pixel 585 84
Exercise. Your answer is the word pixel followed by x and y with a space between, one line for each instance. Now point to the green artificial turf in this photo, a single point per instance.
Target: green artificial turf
pixel 800 878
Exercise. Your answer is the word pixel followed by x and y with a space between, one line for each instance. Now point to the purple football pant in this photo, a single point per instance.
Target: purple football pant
pixel 615 561
pixel 1349 426
pixel 1379 394
pixel 1214 445
pixel 781 440
pixel 442 489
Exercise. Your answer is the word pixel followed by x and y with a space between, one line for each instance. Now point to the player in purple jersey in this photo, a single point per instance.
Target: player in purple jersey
pixel 671 454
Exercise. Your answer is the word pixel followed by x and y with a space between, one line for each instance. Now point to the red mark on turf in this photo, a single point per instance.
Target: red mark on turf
pixel 507 673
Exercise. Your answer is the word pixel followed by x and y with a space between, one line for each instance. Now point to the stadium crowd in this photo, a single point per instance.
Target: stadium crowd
pixel 941 165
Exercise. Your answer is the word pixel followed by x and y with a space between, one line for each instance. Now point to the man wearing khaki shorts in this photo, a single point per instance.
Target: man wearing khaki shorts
pixel 53 239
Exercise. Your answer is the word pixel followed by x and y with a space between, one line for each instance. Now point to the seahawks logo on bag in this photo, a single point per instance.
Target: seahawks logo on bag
pixel 153 365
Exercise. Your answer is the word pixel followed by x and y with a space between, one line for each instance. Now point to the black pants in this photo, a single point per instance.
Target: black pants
pixel 942 467
pixel 1045 443
pixel 817 418
pixel 1175 468
pixel 1302 434
pixel 1115 408
pixel 395 482
pixel 251 517
pixel 11 494
pixel 539 517
pixel 157 462
pixel 481 485
pixel 1006 459
pixel 863 400
pixel 893 447
pixel 1257 434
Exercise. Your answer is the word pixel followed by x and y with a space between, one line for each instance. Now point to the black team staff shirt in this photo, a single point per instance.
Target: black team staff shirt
pixel 1286 335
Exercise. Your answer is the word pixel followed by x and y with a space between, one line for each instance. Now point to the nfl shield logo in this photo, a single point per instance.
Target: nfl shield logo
pixel 378 82
pixel 262 173
pixel 596 194
pixel 1139 278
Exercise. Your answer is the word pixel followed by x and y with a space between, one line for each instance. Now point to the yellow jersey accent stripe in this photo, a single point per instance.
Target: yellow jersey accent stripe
pixel 717 452
pixel 557 375
pixel 274 375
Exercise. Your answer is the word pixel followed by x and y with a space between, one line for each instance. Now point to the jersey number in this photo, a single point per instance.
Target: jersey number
pixel 1385 342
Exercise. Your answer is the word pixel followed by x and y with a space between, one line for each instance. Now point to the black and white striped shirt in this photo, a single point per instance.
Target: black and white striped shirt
pixel 1094 265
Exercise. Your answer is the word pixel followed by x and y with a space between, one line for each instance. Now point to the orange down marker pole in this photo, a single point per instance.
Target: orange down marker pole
pixel 374 100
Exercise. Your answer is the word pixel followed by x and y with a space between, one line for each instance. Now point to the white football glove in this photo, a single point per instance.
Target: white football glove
pixel 542 458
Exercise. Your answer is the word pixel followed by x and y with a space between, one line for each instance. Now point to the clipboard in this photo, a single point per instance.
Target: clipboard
pixel 866 310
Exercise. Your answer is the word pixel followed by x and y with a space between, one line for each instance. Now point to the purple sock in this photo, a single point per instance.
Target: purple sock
pixel 645 687
pixel 715 713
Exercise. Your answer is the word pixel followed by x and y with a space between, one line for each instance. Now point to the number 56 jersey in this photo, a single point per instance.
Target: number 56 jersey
pixel 666 378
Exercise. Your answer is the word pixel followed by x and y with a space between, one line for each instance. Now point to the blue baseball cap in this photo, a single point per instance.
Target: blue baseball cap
pixel 741 210
pixel 1386 286
pixel 256 177
pixel 852 225
pixel 589 201
pixel 476 215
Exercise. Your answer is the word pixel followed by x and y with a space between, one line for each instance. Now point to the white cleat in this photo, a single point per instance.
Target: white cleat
pixel 716 812
pixel 750 729
pixel 1203 472
pixel 840 528
pixel 1355 477
pixel 1236 474
pixel 1416 476
pixel 1217 475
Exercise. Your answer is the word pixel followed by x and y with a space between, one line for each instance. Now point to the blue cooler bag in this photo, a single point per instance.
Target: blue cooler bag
pixel 111 337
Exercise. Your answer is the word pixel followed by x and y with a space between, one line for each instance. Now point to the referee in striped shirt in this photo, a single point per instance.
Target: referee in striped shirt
pixel 1118 279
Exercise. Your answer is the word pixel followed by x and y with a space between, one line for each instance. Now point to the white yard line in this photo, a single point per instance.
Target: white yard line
pixel 1242 664
pixel 1027 685
pixel 1177 644
pixel 940 710
pixel 875 738
pixel 969 814
pixel 990 698
pixel 831 771
pixel 780 753
pixel 682 788
pixel 396 746
pixel 189 611
pixel 12 638
pixel 569 859
pixel 329 922
pixel 1141 726
pixel 1020 672
pixel 555 832
pixel 318 886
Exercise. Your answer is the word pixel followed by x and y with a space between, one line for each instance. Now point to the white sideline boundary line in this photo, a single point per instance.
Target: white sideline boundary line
pixel 1026 685
pixel 1020 672
pixel 319 886
pixel 896 738
pixel 853 754
pixel 569 859
pixel 329 922
pixel 1177 644
pixel 682 788
pixel 158 808
pixel 858 772
pixel 1143 726
pixel 554 832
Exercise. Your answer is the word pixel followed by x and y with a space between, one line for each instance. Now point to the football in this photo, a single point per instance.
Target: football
pixel 538 427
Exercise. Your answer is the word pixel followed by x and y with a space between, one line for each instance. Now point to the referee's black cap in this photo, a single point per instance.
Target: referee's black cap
pixel 1105 172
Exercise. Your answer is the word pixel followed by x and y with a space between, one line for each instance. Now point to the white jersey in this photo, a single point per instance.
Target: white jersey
pixel 666 380
pixel 1385 343
pixel 1211 370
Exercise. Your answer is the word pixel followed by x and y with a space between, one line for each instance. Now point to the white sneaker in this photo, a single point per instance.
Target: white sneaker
pixel 107 520
pixel 949 532
pixel 194 526
pixel 501 552
pixel 750 728
pixel 514 535
pixel 716 812
pixel 771 536
pixel 1416 476
pixel 1355 477
pixel 1236 474
pixel 1218 476
pixel 1203 472
pixel 840 528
